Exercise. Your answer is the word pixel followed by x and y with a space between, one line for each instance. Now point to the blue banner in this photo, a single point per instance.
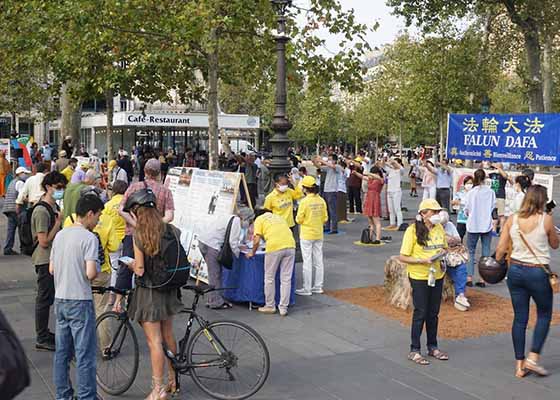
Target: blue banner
pixel 516 138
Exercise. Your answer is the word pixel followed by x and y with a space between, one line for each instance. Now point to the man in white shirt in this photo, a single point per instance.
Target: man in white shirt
pixel 32 190
pixel 394 193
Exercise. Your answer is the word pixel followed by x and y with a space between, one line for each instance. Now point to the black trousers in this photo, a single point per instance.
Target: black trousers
pixel 443 197
pixel 462 229
pixel 427 301
pixel 355 199
pixel 43 301
pixel 253 193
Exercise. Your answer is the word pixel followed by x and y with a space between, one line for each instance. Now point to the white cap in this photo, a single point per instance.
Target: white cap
pixel 22 170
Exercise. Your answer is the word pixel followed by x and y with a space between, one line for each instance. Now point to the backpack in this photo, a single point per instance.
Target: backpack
pixel 366 236
pixel 14 371
pixel 225 256
pixel 27 242
pixel 169 269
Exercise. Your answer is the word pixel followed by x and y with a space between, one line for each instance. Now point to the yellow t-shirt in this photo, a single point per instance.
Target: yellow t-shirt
pixel 275 231
pixel 67 172
pixel 312 215
pixel 112 210
pixel 283 203
pixel 410 247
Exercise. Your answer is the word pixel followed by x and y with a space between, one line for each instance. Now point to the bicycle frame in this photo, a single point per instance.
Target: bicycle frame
pixel 179 360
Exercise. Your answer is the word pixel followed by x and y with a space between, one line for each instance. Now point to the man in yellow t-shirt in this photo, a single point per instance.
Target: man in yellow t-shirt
pixel 281 200
pixel 312 215
pixel 280 254
pixel 70 168
pixel 423 242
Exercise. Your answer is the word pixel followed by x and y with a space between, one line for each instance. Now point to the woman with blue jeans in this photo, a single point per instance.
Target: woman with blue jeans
pixel 530 233
pixel 479 205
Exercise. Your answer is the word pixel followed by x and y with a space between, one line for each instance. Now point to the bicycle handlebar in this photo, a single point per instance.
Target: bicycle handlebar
pixel 103 289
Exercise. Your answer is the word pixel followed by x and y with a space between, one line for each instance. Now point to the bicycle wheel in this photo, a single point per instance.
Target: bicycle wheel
pixel 117 353
pixel 238 370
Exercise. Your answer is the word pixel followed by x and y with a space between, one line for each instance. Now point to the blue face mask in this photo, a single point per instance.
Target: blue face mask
pixel 58 194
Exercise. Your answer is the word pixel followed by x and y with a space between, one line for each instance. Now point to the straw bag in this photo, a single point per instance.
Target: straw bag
pixel 456 256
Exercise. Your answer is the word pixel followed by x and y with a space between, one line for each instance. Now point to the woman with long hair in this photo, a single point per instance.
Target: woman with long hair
pixel 479 207
pixel 372 204
pixel 530 233
pixel 153 308
pixel 458 203
pixel 423 244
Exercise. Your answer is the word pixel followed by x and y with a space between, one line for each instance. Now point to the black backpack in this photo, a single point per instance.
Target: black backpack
pixel 26 239
pixel 366 236
pixel 14 371
pixel 225 256
pixel 169 269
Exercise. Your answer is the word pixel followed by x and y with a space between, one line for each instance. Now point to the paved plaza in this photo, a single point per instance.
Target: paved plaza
pixel 326 349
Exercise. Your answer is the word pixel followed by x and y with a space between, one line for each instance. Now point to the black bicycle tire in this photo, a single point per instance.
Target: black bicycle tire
pixel 128 326
pixel 258 339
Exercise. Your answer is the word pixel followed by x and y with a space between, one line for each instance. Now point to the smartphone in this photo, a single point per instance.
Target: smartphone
pixel 437 257
pixel 126 260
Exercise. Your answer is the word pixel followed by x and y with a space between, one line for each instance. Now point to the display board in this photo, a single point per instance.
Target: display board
pixel 200 197
pixel 459 174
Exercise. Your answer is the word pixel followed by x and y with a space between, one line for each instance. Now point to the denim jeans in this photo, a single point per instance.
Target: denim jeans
pixel 525 283
pixel 458 275
pixel 75 335
pixel 11 233
pixel 332 222
pixel 427 301
pixel 472 240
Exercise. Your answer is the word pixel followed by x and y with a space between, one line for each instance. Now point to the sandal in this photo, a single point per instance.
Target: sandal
pixel 535 367
pixel 438 355
pixel 417 358
pixel 480 284
pixel 171 386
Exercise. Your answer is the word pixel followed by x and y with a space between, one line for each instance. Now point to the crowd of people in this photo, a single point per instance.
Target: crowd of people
pixel 108 214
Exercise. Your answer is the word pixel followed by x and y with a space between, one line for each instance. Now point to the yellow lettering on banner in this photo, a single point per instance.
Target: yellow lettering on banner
pixel 490 125
pixel 534 126
pixel 511 124
pixel 470 125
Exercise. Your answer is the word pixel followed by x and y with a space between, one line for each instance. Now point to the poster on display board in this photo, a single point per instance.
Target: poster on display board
pixel 5 147
pixel 459 175
pixel 201 197
pixel 517 138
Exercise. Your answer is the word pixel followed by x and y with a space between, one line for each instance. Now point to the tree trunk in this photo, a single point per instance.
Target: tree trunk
pixel 110 110
pixel 213 101
pixel 548 80
pixel 71 117
pixel 533 51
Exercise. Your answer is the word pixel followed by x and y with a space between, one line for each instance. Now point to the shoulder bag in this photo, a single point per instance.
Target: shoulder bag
pixel 552 277
pixel 225 256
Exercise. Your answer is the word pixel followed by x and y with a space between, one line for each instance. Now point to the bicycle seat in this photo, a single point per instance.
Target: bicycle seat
pixel 199 289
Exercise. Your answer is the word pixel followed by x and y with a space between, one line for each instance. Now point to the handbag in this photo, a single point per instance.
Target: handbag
pixel 552 277
pixel 366 236
pixel 456 256
pixel 225 256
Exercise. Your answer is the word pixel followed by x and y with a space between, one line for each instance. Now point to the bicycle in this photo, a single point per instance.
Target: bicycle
pixel 209 356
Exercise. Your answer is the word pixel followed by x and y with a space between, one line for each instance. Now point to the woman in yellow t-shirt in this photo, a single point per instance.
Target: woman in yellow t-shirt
pixel 422 244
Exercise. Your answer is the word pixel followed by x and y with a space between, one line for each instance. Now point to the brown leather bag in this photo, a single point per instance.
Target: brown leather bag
pixel 552 277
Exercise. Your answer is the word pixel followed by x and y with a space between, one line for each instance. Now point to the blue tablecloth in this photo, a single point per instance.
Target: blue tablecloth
pixel 247 275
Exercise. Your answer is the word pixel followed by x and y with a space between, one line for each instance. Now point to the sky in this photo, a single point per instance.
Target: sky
pixel 368 12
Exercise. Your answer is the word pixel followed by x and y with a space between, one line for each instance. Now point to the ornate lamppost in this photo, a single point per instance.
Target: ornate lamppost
pixel 280 124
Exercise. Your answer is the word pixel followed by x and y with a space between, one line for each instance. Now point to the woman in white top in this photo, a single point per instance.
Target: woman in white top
pixel 521 185
pixel 479 206
pixel 530 233
pixel 428 180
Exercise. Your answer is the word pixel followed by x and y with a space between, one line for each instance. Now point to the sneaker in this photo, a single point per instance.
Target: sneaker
pixel 386 238
pixel 332 232
pixel 317 290
pixel 283 313
pixel 375 242
pixel 10 252
pixel 47 345
pixel 459 306
pixel 462 300
pixel 303 292
pixel 267 310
